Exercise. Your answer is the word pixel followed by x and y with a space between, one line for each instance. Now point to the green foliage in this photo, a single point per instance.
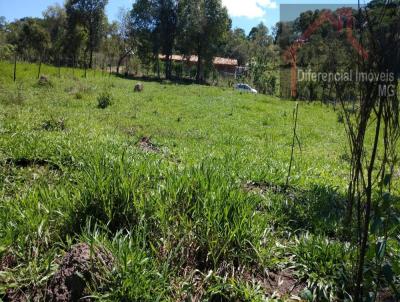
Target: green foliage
pixel 90 15
pixel 54 125
pixel 202 27
pixel 179 220
pixel 104 100
pixel 27 35
pixel 326 265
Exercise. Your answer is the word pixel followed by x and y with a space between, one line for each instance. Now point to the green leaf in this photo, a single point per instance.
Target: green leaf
pixel 307 295
pixel 386 200
pixel 387 179
pixel 380 248
pixel 388 272
pixel 376 225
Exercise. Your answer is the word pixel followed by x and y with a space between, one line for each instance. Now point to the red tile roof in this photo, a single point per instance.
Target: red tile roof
pixel 193 59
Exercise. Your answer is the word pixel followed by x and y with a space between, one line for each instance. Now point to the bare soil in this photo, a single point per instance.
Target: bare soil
pixel 146 145
pixel 80 266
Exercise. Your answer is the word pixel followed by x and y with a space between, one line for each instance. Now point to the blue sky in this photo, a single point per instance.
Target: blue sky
pixel 244 13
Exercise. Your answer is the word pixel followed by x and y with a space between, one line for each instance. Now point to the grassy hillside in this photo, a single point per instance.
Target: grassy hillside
pixel 180 186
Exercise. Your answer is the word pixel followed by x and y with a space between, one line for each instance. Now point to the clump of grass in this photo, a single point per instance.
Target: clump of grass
pixel 319 209
pixel 266 122
pixel 79 90
pixel 112 193
pixel 78 95
pixel 211 218
pixel 54 124
pixel 44 82
pixel 325 264
pixel 16 97
pixel 104 100
pixel 340 118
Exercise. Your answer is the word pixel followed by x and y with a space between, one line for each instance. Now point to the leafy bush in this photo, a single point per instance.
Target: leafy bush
pixel 210 217
pixel 54 125
pixel 326 264
pixel 319 210
pixel 112 193
pixel 78 95
pixel 44 82
pixel 16 97
pixel 200 214
pixel 104 100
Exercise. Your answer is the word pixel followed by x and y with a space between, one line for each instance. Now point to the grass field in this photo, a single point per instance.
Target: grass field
pixel 181 187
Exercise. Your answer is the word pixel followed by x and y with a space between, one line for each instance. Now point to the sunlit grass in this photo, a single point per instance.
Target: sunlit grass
pixel 177 208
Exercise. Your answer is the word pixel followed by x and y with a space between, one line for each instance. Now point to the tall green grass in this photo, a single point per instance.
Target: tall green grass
pixel 178 219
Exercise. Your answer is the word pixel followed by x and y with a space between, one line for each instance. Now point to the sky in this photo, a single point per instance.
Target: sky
pixel 244 13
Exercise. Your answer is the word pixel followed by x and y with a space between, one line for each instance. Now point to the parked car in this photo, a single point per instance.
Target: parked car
pixel 245 88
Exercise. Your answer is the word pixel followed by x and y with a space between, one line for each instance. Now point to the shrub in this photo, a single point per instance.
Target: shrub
pixel 44 82
pixel 104 100
pixel 78 95
pixel 340 118
pixel 325 264
pixel 113 193
pixel 54 125
pixel 209 216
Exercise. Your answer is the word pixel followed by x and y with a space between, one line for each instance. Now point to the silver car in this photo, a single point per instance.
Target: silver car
pixel 245 88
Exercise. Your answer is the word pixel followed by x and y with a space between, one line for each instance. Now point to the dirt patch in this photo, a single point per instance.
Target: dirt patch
pixel 385 295
pixel 139 87
pixel 146 145
pixel 24 294
pixel 81 266
pixel 132 131
pixel 44 81
pixel 283 283
pixel 8 261
pixel 276 284
pixel 263 187
pixel 27 163
pixel 53 125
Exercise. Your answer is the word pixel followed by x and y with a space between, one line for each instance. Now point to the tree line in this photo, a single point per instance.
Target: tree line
pixel 78 32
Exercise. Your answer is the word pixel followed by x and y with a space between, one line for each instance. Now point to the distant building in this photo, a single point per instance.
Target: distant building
pixel 222 65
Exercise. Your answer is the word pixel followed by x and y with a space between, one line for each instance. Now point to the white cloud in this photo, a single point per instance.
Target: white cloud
pixel 248 8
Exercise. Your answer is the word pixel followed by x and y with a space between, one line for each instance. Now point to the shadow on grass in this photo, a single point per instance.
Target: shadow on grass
pixel 319 209
pixel 172 81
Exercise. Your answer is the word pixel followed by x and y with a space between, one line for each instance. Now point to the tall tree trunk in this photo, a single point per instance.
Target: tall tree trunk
pixel 368 191
pixel 158 67
pixel 200 71
pixel 91 58
pixel 40 66
pixel 121 58
pixel 85 62
pixel 168 71
pixel 59 67
pixel 15 66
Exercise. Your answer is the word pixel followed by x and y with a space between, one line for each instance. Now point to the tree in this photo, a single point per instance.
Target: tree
pixel 121 37
pixel 90 15
pixel 237 46
pixel 29 37
pixel 203 26
pixel 155 22
pixel 55 22
pixel 3 22
pixel 6 49
pixel 166 30
pixel 264 59
pixel 370 198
